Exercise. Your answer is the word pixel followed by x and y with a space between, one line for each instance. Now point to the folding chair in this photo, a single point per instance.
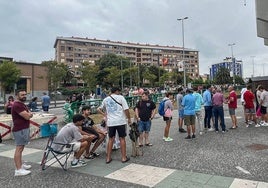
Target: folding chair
pixel 52 156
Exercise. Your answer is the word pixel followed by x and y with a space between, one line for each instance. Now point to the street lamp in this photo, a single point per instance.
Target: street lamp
pixel 233 61
pixel 182 27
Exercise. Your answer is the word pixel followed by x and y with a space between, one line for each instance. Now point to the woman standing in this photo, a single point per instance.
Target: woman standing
pixel 168 116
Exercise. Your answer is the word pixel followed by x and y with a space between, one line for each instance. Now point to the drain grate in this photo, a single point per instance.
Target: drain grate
pixel 258 147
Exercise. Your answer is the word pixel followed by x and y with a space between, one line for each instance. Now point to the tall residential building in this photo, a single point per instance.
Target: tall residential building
pixel 73 51
pixel 232 64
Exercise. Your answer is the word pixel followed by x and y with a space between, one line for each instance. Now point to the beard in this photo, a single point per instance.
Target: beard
pixel 23 99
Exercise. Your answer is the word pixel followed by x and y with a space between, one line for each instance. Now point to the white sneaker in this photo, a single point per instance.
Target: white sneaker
pixel 265 124
pixel 22 172
pixel 26 167
pixel 80 163
pixel 164 138
pixel 247 125
pixel 257 125
pixel 211 129
pixel 168 139
pixel 201 133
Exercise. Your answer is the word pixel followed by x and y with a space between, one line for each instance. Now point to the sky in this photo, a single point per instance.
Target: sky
pixel 29 27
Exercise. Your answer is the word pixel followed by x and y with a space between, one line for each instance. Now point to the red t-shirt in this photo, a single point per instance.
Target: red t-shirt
pixel 19 122
pixel 232 103
pixel 249 99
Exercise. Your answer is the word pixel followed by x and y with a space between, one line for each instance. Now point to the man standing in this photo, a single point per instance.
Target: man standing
pixel 70 134
pixel 45 102
pixel 180 109
pixel 198 113
pixel 21 130
pixel 264 105
pixel 250 112
pixel 208 107
pixel 218 100
pixel 117 111
pixel 232 105
pixel 145 111
pixel 188 102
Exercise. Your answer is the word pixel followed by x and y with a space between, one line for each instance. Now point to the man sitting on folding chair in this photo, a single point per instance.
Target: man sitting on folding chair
pixel 70 134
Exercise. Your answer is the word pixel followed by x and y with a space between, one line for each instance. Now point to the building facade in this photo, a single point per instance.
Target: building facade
pixel 73 51
pixel 232 64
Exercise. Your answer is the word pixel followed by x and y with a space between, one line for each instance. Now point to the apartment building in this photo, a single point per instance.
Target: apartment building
pixel 232 64
pixel 73 51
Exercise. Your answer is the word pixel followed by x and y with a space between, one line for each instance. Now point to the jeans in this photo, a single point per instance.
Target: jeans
pixel 219 114
pixel 208 114
pixel 144 126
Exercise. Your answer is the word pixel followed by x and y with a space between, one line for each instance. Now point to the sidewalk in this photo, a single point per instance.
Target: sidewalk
pixel 237 158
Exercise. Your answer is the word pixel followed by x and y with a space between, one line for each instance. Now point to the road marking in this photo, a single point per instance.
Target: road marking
pixel 242 169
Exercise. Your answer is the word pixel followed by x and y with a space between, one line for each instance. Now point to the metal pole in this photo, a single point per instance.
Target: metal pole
pixel 184 66
pixel 253 65
pixel 233 61
pixel 122 79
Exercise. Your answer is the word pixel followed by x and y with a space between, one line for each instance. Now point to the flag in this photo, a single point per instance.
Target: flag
pixel 165 61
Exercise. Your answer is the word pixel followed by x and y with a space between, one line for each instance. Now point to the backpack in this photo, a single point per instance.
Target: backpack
pixel 161 108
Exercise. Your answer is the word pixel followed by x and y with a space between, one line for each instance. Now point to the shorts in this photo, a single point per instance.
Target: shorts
pixel 22 137
pixel 263 110
pixel 121 130
pixel 92 131
pixel 167 118
pixel 232 111
pixel 68 148
pixel 144 126
pixel 180 113
pixel 250 111
pixel 189 120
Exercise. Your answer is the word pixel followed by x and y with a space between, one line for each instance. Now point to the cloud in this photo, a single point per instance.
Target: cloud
pixel 29 28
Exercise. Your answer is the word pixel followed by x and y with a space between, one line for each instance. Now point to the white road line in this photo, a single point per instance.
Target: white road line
pixel 242 169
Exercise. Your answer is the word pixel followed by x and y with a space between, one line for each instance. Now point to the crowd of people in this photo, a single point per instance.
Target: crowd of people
pixel 83 132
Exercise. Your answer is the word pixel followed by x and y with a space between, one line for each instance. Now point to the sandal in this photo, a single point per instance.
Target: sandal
pixel 140 145
pixel 127 159
pixel 149 144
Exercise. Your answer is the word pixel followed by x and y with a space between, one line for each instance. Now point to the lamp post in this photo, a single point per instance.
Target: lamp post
pixel 182 27
pixel 233 61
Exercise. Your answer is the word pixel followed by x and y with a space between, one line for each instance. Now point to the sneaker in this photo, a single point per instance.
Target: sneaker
pixel 188 137
pixel 201 133
pixel 93 155
pixel 211 129
pixel 193 136
pixel 22 172
pixel 223 131
pixel 80 163
pixel 258 125
pixel 168 139
pixel 217 131
pixel 26 167
pixel 265 124
pixel 164 138
pixel 181 130
pixel 247 125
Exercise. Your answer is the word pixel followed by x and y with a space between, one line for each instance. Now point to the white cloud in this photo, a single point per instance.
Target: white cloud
pixel 29 28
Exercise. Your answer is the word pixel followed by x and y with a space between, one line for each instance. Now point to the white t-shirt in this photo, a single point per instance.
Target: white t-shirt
pixel 264 98
pixel 115 112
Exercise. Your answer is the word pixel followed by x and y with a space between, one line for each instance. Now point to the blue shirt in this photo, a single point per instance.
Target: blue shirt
pixel 198 101
pixel 45 100
pixel 207 98
pixel 188 102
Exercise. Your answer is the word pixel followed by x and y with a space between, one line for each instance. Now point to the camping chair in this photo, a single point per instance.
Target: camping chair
pixel 52 156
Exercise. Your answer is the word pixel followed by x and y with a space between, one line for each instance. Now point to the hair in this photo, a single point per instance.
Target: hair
pixel 146 93
pixel 249 87
pixel 195 88
pixel 168 94
pixel 78 117
pixel 114 89
pixel 10 97
pixel 260 87
pixel 35 98
pixel 180 89
pixel 85 108
pixel 20 90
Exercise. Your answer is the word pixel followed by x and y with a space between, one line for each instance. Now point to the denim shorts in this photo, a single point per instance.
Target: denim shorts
pixel 180 113
pixel 144 126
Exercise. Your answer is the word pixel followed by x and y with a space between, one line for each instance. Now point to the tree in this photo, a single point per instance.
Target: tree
pixel 9 75
pixel 223 76
pixel 56 73
pixel 89 74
